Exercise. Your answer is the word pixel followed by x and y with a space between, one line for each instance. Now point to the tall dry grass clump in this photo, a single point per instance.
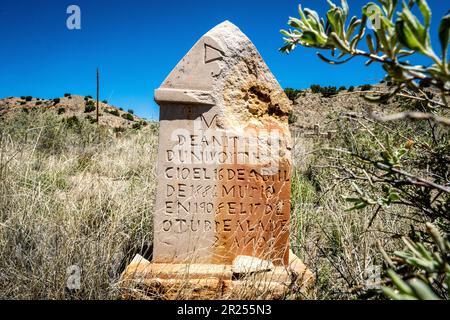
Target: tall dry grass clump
pixel 75 206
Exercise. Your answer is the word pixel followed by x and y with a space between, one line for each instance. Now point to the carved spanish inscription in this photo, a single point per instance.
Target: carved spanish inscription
pixel 224 156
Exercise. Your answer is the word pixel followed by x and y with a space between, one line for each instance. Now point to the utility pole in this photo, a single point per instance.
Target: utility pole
pixel 98 91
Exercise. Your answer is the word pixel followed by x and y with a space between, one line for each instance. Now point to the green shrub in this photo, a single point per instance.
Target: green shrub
pixel 90 106
pixel 38 103
pixel 137 125
pixel 366 87
pixel 114 112
pixel 315 88
pixel 23 97
pixel 22 103
pixel 61 110
pixel 351 89
pixel 91 119
pixel 328 92
pixel 72 122
pixel 105 101
pixel 292 117
pixel 28 98
pixel 131 111
pixel 26 110
pixel 51 141
pixel 119 129
pixel 128 116
pixel 56 100
pixel 66 95
pixel 121 109
pixel 292 94
pixel 342 88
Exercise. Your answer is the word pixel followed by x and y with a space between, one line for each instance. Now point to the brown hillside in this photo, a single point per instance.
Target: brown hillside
pixel 312 109
pixel 66 107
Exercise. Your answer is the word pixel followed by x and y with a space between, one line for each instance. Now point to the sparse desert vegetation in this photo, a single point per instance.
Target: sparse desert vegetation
pixel 68 106
pixel 74 194
pixel 341 246
pixel 397 163
pixel 71 194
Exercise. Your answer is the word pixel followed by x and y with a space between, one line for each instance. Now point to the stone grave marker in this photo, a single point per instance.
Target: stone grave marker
pixel 224 162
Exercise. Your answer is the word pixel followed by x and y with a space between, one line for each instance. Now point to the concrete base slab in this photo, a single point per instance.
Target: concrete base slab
pixel 145 280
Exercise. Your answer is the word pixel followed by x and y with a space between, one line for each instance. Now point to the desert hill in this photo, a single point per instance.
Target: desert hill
pixel 318 105
pixel 69 106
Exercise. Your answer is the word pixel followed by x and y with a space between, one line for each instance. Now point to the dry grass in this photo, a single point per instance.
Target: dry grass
pixel 71 197
pixel 341 247
pixel 77 196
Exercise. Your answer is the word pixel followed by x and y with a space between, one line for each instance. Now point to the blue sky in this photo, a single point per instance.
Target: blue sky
pixel 136 43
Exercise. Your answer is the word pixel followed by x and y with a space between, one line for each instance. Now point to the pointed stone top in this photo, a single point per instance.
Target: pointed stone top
pixel 226 70
pixel 225 24
pixel 224 27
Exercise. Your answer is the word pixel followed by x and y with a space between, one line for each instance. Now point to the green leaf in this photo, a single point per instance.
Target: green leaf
pixel 411 246
pixel 392 8
pixel 424 252
pixel 354 23
pixel 422 290
pixel 426 12
pixel 338 42
pixel 444 33
pixel 313 18
pixel 345 8
pixel 394 196
pixel 302 15
pixel 370 43
pixel 358 206
pixel 395 295
pixel 311 38
pixel 353 200
pixel 401 152
pixel 377 42
pixel 421 264
pixel 410 18
pixel 407 37
pixel 332 5
pixel 437 237
pixel 354 42
pixel 333 16
pixel 403 255
pixel 419 31
pixel 285 33
pixel 295 23
pixel 399 283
